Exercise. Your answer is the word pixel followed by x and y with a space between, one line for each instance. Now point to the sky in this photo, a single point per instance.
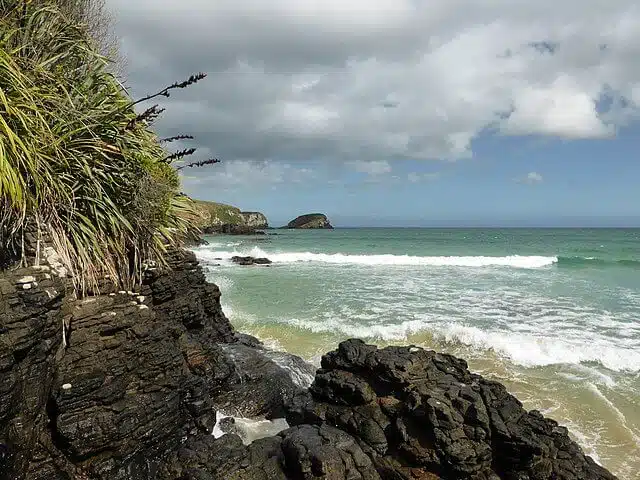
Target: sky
pixel 400 112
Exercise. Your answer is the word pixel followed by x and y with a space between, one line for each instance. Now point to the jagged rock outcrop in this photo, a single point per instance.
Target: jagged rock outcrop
pixel 126 385
pixel 141 372
pixel 310 221
pixel 420 414
pixel 255 219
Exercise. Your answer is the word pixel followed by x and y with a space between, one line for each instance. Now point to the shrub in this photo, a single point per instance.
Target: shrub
pixel 76 160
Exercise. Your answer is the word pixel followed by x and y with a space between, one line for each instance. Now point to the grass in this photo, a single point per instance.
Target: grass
pixel 77 163
pixel 219 213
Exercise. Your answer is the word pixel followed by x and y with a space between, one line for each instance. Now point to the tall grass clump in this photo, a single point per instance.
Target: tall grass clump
pixel 76 160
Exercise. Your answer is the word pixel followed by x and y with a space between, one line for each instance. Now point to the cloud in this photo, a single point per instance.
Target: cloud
pixel 372 168
pixel 531 178
pixel 297 80
pixel 246 173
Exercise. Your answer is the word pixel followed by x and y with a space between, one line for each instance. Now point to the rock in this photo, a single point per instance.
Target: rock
pixel 257 386
pixel 310 221
pixel 255 219
pixel 228 229
pixel 306 452
pixel 250 261
pixel 26 279
pixel 420 414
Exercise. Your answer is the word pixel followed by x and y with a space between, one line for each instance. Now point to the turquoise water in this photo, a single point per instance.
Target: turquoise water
pixel 552 313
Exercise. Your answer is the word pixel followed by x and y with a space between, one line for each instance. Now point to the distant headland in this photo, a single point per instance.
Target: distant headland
pixel 226 219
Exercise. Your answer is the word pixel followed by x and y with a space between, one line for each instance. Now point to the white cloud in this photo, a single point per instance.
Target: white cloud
pixel 531 178
pixel 562 109
pixel 246 173
pixel 384 79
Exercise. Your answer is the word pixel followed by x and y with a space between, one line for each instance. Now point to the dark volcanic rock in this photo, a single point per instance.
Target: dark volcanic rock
pixel 30 338
pixel 310 221
pixel 231 229
pixel 142 371
pixel 306 452
pixel 259 386
pixel 250 260
pixel 417 412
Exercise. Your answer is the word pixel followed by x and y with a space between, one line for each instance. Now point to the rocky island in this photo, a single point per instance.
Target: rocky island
pixel 310 221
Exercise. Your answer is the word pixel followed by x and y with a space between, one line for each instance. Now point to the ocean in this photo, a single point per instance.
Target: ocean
pixel 554 314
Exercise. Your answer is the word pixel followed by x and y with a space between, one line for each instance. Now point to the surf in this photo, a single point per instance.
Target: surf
pixel 513 261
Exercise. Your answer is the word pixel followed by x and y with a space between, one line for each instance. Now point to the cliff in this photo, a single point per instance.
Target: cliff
pixel 255 219
pixel 126 385
pixel 310 221
pixel 222 218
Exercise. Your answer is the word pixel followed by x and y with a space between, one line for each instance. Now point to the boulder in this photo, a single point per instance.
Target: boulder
pixel 420 414
pixel 250 260
pixel 310 221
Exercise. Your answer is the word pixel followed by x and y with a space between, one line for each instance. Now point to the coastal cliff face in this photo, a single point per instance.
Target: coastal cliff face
pixel 255 219
pixel 221 218
pixel 126 385
pixel 140 373
pixel 310 221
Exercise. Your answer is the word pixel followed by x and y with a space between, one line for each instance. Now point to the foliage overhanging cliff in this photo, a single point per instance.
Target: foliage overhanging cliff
pixel 76 159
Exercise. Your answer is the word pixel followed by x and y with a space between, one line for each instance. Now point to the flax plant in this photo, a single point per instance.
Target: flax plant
pixel 75 158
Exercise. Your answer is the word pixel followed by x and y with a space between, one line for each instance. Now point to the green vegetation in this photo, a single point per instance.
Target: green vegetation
pixel 76 160
pixel 218 213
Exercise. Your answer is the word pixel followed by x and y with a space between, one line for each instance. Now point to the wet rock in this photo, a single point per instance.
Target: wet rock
pixel 307 452
pixel 250 260
pixel 258 386
pixel 418 413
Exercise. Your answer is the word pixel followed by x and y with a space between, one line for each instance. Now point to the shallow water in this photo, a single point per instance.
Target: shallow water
pixel 553 314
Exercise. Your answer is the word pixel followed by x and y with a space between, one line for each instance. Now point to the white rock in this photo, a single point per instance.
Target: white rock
pixel 143 307
pixel 66 386
pixel 140 298
pixel 26 286
pixel 27 279
pixel 414 349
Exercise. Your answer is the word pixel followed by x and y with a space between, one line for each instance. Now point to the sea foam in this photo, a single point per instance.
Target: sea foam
pixel 516 261
pixel 526 350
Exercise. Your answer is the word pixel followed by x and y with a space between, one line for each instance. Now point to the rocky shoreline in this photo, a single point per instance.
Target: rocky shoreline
pixel 126 385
